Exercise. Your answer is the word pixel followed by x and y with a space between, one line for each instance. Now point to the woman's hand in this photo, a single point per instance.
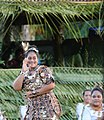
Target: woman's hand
pixel 25 66
pixel 45 89
pixel 28 94
pixel 31 94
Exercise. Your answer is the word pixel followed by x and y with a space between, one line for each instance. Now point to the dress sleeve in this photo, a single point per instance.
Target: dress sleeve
pixel 86 114
pixel 46 75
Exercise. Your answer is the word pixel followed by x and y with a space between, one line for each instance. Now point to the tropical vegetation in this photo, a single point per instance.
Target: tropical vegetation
pixel 70 81
pixel 52 13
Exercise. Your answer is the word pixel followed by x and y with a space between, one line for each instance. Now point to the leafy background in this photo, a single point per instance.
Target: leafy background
pixel 70 83
pixel 54 13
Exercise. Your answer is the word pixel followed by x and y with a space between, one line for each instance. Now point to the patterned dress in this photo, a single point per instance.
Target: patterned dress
pixel 43 107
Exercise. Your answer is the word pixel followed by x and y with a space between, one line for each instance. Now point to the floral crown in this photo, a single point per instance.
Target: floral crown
pixel 33 49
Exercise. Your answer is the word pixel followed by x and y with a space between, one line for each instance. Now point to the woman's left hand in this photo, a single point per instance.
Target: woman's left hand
pixel 28 94
pixel 31 94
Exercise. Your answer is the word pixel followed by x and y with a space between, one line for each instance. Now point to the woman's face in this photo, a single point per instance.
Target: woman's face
pixel 87 97
pixel 96 98
pixel 32 59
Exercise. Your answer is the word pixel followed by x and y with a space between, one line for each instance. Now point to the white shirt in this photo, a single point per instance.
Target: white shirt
pixel 1 116
pixel 23 110
pixel 79 109
pixel 90 114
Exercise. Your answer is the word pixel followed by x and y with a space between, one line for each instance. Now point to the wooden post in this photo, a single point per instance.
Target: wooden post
pixel 58 39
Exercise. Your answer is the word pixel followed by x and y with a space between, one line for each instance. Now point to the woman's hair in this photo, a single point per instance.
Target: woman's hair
pixel 32 48
pixel 97 89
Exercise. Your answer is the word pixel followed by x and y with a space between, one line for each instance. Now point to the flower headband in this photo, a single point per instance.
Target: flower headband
pixel 33 49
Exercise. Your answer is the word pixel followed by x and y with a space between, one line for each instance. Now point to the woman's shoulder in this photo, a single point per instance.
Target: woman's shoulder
pixel 40 67
pixel 45 68
pixel 80 104
pixel 88 107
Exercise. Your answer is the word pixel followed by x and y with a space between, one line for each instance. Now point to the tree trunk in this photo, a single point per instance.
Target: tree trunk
pixel 26 33
pixel 58 39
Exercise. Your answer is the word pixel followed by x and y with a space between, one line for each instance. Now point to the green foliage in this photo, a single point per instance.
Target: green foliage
pixel 50 11
pixel 70 83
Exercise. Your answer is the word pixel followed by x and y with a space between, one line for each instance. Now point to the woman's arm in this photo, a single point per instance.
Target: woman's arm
pixel 45 89
pixel 17 84
pixel 41 91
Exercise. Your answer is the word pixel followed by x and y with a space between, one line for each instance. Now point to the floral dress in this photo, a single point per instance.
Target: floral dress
pixel 43 107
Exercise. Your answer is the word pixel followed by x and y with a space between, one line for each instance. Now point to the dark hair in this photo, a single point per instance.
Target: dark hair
pixel 85 91
pixel 97 89
pixel 32 48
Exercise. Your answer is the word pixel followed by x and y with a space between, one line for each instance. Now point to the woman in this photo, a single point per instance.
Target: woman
pixel 95 109
pixel 38 83
pixel 86 101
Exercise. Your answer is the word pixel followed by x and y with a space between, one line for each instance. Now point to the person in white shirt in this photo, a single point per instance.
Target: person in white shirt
pixel 2 116
pixel 81 106
pixel 96 107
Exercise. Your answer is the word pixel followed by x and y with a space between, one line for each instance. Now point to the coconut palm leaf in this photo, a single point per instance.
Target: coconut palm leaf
pixel 69 12
pixel 70 82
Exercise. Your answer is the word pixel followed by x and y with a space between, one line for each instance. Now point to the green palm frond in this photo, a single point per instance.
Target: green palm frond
pixel 64 12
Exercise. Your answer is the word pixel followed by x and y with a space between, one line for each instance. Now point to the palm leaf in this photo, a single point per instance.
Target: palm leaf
pixel 69 12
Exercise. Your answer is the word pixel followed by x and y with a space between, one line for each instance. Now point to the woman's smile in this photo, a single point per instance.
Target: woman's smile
pixel 32 59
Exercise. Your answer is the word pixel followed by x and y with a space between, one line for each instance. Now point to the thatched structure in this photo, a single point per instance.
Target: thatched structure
pixel 52 13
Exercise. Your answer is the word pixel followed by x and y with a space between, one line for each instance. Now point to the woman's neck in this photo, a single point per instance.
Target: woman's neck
pixel 33 68
pixel 96 108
